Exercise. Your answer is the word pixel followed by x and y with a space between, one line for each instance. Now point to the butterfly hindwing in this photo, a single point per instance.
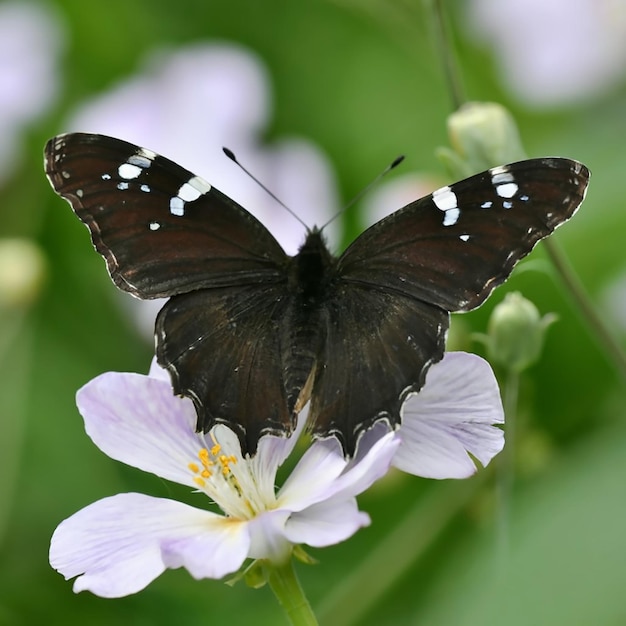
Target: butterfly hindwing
pixel 227 357
pixel 161 230
pixel 377 348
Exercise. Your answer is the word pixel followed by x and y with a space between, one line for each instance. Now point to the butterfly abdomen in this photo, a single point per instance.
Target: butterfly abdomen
pixel 309 274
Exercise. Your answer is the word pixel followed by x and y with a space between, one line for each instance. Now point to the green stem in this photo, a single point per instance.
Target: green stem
pixel 576 291
pixel 506 462
pixel 442 41
pixel 287 589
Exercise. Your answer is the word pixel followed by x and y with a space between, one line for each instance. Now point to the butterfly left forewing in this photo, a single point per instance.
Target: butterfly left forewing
pixel 161 229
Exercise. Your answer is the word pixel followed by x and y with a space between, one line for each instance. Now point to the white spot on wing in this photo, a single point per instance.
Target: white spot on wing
pixel 464 237
pixel 144 152
pixel 507 190
pixel 140 160
pixel 155 225
pixel 451 217
pixel 486 205
pixel 145 188
pixel 79 193
pixel 106 176
pixel 188 193
pixel 128 171
pixel 444 199
pixel 177 206
pixel 200 184
pixel 501 174
pixel 507 204
pixel 122 186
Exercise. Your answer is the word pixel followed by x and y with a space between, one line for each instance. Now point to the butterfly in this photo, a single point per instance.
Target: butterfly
pixel 251 334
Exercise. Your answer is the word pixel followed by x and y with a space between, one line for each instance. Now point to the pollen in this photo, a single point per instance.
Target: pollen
pixel 210 464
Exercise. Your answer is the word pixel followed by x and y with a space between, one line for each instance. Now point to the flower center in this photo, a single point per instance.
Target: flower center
pixel 226 479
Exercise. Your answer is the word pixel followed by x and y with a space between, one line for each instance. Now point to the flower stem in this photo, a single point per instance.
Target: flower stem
pixel 442 41
pixel 287 589
pixel 575 290
pixel 506 463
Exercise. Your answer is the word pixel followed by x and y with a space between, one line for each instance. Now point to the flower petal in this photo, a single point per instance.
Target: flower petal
pixel 138 420
pixel 311 479
pixel 326 523
pixel 118 545
pixel 267 536
pixel 365 470
pixel 450 417
pixel 324 473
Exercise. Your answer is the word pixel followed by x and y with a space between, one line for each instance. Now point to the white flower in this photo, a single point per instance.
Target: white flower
pixel 30 47
pixel 554 52
pixel 118 545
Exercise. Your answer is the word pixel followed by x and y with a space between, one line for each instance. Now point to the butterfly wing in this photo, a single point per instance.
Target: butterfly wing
pixel 445 252
pixel 165 232
pixel 227 357
pixel 453 247
pixel 376 348
pixel 161 230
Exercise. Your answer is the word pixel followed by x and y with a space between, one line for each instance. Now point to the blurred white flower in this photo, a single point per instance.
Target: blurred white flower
pixel 613 299
pixel 30 47
pixel 395 194
pixel 552 53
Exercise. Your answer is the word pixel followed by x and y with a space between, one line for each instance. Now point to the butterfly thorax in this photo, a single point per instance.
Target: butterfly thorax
pixel 310 269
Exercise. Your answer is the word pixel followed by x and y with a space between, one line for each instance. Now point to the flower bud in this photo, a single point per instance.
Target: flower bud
pixel 22 272
pixel 516 332
pixel 482 135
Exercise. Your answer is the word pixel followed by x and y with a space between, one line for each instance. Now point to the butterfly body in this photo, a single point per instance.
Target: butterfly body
pixel 250 333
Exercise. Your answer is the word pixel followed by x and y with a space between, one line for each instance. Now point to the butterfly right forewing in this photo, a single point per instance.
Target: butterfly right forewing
pixel 451 248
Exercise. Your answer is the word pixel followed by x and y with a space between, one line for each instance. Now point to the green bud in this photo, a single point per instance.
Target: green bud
pixel 482 135
pixel 22 273
pixel 515 332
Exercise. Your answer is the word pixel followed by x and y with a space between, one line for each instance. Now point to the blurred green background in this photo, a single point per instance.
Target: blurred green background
pixel 361 79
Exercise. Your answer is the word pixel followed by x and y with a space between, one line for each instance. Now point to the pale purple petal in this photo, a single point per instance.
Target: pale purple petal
pixel 314 475
pixel 267 536
pixel 363 471
pixel 118 545
pixel 324 473
pixel 451 416
pixel 137 419
pixel 326 523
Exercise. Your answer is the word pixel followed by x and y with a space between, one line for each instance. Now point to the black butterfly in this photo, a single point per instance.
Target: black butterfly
pixel 250 334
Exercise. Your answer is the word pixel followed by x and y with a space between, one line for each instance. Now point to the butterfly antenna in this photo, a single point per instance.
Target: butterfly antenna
pixel 365 189
pixel 231 155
